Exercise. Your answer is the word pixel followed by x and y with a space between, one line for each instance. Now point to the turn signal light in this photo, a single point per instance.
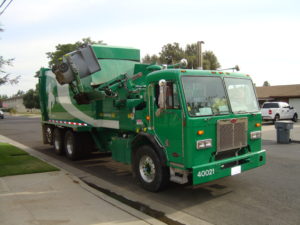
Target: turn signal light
pixel 258 125
pixel 148 118
pixel 200 132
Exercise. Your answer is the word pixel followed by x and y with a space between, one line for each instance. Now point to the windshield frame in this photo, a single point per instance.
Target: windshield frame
pixel 207 115
pixel 230 102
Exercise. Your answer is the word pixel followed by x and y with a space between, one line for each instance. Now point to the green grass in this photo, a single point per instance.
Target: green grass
pixel 14 161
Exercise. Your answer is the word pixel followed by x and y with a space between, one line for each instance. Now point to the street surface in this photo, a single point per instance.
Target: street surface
pixel 266 195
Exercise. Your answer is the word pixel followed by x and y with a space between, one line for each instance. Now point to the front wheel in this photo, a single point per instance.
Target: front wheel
pixel 150 172
pixel 295 117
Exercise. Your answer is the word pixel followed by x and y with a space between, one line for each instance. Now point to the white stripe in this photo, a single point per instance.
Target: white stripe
pixel 65 101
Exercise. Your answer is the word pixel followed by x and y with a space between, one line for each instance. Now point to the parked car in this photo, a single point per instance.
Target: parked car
pixel 1 114
pixel 278 111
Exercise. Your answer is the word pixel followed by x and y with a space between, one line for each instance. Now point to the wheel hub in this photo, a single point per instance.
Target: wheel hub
pixel 69 146
pixel 147 169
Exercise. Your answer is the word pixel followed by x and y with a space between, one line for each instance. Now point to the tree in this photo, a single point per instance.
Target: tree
pixel 191 56
pixel 19 93
pixel 151 59
pixel 210 61
pixel 4 76
pixel 62 49
pixel 266 84
pixel 31 98
pixel 173 53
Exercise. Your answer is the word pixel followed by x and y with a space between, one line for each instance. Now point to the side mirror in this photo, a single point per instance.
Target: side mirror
pixel 162 98
pixel 291 107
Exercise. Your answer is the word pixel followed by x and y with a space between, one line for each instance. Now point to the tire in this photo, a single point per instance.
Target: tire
pixel 73 145
pixel 149 171
pixel 49 134
pixel 276 118
pixel 295 117
pixel 58 141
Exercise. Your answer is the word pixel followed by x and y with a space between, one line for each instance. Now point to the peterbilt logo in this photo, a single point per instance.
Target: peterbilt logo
pixel 233 120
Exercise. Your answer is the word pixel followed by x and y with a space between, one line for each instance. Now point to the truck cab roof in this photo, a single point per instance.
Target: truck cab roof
pixel 176 73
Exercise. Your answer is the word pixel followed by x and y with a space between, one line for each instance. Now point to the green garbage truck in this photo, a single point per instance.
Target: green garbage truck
pixel 170 123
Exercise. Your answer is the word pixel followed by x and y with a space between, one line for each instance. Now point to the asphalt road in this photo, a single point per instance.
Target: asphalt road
pixel 266 195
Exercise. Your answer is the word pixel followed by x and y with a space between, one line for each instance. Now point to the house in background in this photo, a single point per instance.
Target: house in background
pixel 280 93
pixel 16 103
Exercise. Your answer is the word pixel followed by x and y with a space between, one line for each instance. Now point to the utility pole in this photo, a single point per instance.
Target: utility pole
pixel 199 55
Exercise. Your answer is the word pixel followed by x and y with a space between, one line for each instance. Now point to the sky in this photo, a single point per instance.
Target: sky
pixel 261 36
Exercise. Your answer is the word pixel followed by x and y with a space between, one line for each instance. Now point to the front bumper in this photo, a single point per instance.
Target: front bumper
pixel 225 167
pixel 267 118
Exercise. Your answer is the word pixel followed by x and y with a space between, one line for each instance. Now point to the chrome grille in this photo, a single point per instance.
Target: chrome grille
pixel 231 134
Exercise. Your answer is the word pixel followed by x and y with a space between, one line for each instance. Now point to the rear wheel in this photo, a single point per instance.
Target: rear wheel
pixel 49 134
pixel 150 172
pixel 295 117
pixel 58 141
pixel 73 145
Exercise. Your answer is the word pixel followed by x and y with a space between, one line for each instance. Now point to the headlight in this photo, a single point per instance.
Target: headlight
pixel 255 135
pixel 207 143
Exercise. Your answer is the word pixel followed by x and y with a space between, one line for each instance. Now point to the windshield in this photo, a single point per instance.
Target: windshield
pixel 241 95
pixel 204 95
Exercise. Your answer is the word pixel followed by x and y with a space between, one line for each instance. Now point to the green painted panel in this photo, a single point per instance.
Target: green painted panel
pixel 121 149
pixel 111 68
pixel 112 52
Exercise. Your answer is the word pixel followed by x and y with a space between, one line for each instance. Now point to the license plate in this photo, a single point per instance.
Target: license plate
pixel 235 170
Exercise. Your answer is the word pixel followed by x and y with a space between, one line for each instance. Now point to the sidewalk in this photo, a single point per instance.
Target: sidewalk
pixel 56 198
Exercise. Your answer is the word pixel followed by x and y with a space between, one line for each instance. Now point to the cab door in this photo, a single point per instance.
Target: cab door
pixel 168 123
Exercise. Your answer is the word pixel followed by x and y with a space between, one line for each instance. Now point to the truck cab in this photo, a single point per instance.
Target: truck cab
pixel 210 125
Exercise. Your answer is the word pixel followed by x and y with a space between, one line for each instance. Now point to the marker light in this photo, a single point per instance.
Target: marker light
pixel 148 118
pixel 200 132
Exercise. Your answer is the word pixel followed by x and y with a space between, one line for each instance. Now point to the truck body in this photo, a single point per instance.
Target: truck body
pixel 170 124
pixel 273 111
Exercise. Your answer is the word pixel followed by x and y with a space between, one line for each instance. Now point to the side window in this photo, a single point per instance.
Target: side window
pixel 284 105
pixel 172 96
